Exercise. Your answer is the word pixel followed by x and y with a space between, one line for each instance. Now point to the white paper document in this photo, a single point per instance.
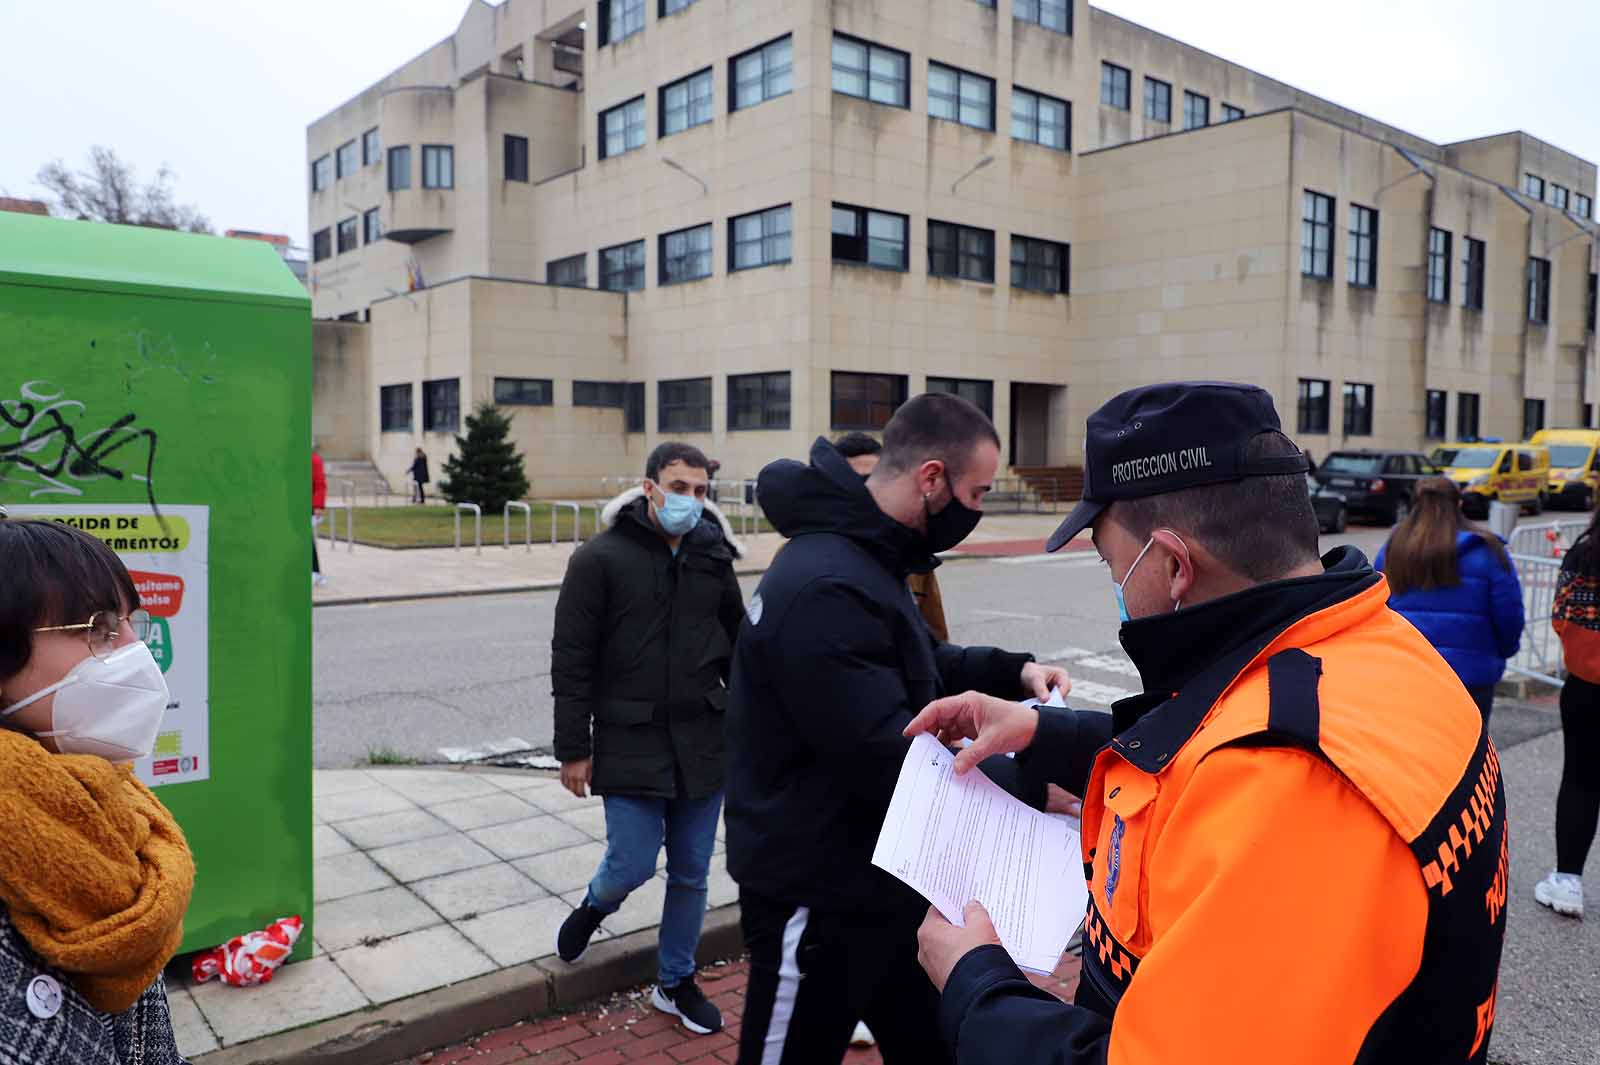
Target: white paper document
pixel 958 838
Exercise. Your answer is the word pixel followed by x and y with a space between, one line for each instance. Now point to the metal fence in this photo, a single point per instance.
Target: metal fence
pixel 1539 657
pixel 1550 539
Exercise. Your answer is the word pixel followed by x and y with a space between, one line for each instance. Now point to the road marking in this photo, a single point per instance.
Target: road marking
pixel 1007 614
pixel 1087 691
pixel 1066 654
pixel 1072 561
pixel 1109 663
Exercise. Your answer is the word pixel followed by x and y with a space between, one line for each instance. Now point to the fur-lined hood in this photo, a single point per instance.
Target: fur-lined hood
pixel 608 517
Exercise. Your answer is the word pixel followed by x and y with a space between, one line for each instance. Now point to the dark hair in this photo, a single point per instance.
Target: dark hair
pixel 854 445
pixel 670 452
pixel 1582 557
pixel 935 425
pixel 1422 549
pixel 1259 527
pixel 53 574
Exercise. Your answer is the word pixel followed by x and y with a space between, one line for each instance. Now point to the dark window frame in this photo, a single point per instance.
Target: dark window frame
pixel 1029 245
pixel 1591 302
pixel 952 386
pixel 398 176
pixel 371 147
pixel 771 411
pixel 1440 257
pixel 665 259
pixel 1361 247
pixel 1190 98
pixel 1039 101
pixel 1467 403
pixel 445 417
pixel 956 270
pixel 736 101
pixel 864 238
pixel 1435 420
pixel 633 413
pixel 1032 12
pixel 1559 195
pixel 667 8
pixel 1109 82
pixel 322 244
pixel 610 11
pixel 1533 185
pixel 343 168
pixel 628 126
pixel 1538 290
pixel 735 243
pixel 1357 416
pixel 1310 226
pixel 1155 90
pixel 515 394
pixel 962 78
pixel 666 411
pixel 665 111
pixel 898 385
pixel 603 395
pixel 1583 205
pixel 626 248
pixel 554 266
pixel 347 234
pixel 514 156
pixel 438 152
pixel 1474 271
pixel 389 408
pixel 1231 113
pixel 904 82
pixel 1313 413
pixel 1533 415
pixel 371 226
pixel 322 173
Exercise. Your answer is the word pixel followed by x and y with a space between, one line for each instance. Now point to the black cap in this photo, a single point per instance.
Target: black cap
pixel 1163 438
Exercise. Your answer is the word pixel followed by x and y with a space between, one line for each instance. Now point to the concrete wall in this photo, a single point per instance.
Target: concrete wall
pixel 341 361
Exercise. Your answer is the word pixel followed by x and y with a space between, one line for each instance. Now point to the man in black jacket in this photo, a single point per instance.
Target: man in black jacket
pixel 832 665
pixel 643 631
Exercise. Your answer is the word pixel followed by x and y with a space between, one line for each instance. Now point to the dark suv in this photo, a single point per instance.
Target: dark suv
pixel 1380 484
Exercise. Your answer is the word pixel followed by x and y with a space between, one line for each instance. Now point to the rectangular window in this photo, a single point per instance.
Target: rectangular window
pixel 345 159
pixel 394 408
pixel 684 406
pixel 633 407
pixel 672 7
pixel 686 103
pixel 524 391
pixel 760 239
pixel 874 238
pixel 1039 265
pixel 371 226
pixel 1363 250
pixel 1196 110
pixel 758 401
pixel 571 272
pixel 321 173
pixel 599 394
pixel 516 154
pixel 349 234
pixel 1533 185
pixel 979 393
pixel 1438 399
pixel 1582 206
pixel 1438 266
pixel 1558 196
pixel 1313 406
pixel 371 147
pixel 622 128
pixel 438 166
pixel 1532 417
pixel 1051 14
pixel 865 401
pixel 1472 278
pixel 1316 236
pixel 620 19
pixel 1466 415
pixel 1157 100
pixel 1231 113
pixel 871 71
pixel 622 267
pixel 961 252
pixel 958 96
pixel 1538 290
pixel 399 168
pixel 1357 410
pixel 1041 119
pixel 685 255
pixel 1589 309
pixel 1116 86
pixel 321 245
pixel 441 405
pixel 761 74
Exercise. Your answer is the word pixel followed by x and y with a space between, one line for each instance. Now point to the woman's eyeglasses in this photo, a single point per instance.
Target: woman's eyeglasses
pixel 104 627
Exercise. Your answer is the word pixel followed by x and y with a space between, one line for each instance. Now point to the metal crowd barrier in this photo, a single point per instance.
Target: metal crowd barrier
pixel 477 524
pixel 527 513
pixel 1539 657
pixel 1550 539
pixel 577 519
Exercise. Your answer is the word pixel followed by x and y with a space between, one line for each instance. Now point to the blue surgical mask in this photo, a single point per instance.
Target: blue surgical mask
pixel 1122 604
pixel 678 514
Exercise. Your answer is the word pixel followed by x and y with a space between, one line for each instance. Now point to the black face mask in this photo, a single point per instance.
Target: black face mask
pixel 951 525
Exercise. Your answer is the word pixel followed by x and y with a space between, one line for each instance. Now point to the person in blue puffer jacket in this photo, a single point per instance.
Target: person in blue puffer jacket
pixel 1453 580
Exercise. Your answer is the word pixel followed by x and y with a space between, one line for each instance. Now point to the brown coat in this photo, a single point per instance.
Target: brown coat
pixel 925 589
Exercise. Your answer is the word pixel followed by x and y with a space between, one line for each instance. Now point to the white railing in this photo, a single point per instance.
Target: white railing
pixel 527 513
pixel 349 524
pixel 1550 539
pixel 561 506
pixel 477 524
pixel 1539 656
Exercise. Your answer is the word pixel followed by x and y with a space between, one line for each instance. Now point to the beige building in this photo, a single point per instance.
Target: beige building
pixel 747 224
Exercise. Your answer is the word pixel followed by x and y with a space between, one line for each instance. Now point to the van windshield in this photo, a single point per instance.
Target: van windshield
pixel 1466 458
pixel 1568 456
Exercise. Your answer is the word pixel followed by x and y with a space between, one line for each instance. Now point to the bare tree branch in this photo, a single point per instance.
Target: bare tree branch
pixel 107 191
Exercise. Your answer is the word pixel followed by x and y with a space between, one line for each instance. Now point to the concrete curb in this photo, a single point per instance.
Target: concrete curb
pixel 434 1019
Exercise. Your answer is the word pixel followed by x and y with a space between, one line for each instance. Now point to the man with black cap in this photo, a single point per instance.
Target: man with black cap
pixel 1296 837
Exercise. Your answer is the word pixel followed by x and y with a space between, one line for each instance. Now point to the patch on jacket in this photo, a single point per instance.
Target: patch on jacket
pixel 1114 867
pixel 753 611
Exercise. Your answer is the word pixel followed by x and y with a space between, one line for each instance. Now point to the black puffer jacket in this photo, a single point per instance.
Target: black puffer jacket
pixel 640 654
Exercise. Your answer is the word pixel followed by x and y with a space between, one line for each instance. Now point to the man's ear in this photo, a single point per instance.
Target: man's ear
pixel 929 474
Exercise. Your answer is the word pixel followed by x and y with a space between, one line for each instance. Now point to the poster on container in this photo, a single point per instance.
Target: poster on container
pixel 167 556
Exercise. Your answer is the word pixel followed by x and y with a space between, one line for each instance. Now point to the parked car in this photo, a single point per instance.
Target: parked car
pixel 1332 512
pixel 1493 470
pixel 1377 484
pixel 1574 469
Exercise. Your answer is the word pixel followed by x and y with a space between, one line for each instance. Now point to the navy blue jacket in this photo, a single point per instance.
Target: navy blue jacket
pixel 1475 625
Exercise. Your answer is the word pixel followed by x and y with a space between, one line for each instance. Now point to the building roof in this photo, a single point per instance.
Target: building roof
pixel 8 203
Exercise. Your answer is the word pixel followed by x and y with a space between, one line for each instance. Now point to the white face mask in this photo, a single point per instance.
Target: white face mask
pixel 111 707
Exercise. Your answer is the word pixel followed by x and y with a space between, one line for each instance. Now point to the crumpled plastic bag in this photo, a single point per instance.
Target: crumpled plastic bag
pixel 252 958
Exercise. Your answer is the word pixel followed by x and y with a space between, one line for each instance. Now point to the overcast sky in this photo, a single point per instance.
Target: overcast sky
pixel 222 92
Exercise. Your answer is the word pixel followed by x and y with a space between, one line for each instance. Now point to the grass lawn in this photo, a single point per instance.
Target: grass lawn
pixel 434 526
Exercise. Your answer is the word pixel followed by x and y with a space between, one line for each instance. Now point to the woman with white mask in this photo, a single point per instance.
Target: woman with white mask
pixel 95 874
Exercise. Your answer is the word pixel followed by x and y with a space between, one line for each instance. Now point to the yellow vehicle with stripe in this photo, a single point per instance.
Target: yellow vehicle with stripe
pixel 1491 470
pixel 1574 479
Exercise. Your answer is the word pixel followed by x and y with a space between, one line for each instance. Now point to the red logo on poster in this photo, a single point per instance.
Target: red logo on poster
pixel 164 767
pixel 159 593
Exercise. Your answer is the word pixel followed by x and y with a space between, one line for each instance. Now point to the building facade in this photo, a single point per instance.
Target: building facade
pixel 749 223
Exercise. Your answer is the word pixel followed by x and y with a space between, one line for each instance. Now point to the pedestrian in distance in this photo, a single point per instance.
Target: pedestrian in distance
pixel 1454 581
pixel 832 663
pixel 95 874
pixel 644 628
pixel 419 475
pixel 1296 837
pixel 1576 617
pixel 319 510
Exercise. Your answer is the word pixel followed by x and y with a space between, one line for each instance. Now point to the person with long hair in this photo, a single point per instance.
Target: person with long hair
pixel 1576 617
pixel 1454 581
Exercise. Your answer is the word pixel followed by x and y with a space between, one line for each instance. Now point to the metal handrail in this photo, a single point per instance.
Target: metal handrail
pixel 527 513
pixel 349 524
pixel 477 519
pixel 577 519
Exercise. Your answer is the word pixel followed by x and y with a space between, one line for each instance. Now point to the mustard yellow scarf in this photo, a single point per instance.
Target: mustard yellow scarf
pixel 94 872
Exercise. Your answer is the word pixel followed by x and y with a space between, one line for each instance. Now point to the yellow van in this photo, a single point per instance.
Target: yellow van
pixel 1574 481
pixel 1490 470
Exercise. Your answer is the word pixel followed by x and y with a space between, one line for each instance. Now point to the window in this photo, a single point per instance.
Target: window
pixel 686 103
pixel 345 159
pixel 622 267
pixel 399 168
pixel 684 406
pixel 758 401
pixel 572 272
pixel 620 19
pixel 685 255
pixel 1438 399
pixel 349 234
pixel 516 156
pixel 599 394
pixel 1313 406
pixel 1316 236
pixel 1538 290
pixel 1582 205
pixel 1196 110
pixel 874 238
pixel 1157 100
pixel 438 166
pixel 1231 113
pixel 762 73
pixel 1357 410
pixel 371 147
pixel 979 393
pixel 1533 186
pixel 441 405
pixel 1588 315
pixel 865 401
pixel 321 245
pixel 633 407
pixel 394 408
pixel 371 226
pixel 760 239
pixel 1051 14
pixel 1466 415
pixel 672 7
pixel 321 173
pixel 1472 281
pixel 622 128
pixel 1363 250
pixel 870 71
pixel 1116 85
pixel 1532 417
pixel 1041 119
pixel 1040 265
pixel 1558 196
pixel 957 96
pixel 524 391
pixel 960 251
pixel 1438 266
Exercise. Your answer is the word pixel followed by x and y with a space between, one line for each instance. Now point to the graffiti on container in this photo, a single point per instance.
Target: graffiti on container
pixel 152 353
pixel 51 445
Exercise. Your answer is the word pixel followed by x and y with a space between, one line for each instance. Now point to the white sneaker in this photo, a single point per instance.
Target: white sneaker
pixel 862 1036
pixel 1562 892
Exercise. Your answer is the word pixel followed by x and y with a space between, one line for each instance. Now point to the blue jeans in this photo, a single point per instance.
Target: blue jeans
pixel 635 831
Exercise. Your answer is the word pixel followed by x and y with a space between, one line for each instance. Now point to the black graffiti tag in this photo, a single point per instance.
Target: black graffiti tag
pixel 51 447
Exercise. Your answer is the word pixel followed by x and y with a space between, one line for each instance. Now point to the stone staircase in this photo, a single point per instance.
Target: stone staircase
pixel 369 484
pixel 1052 484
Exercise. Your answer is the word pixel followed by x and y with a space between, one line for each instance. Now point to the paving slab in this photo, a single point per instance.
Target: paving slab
pixel 299 994
pixel 382 830
pixel 374 915
pixel 477 891
pixel 411 963
pixel 485 810
pixel 568 869
pixel 432 857
pixel 520 933
pixel 347 874
pixel 534 835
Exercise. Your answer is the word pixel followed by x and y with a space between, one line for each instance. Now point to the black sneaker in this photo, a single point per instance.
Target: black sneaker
pixel 691 1006
pixel 576 931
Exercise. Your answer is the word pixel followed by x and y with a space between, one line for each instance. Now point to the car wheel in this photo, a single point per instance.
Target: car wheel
pixel 1537 506
pixel 1339 521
